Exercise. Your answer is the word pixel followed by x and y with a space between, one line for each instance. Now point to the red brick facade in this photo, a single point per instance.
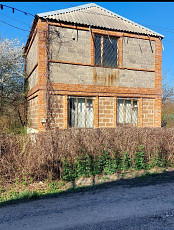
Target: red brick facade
pixel 106 112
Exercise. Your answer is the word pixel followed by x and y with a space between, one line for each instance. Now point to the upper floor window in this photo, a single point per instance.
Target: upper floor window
pixel 105 51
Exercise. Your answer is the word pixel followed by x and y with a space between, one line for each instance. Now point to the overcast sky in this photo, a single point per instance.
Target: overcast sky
pixel 157 16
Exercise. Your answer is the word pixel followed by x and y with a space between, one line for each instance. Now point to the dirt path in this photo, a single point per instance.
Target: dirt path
pixel 113 207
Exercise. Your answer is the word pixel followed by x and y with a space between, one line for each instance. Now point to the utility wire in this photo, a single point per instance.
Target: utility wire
pixel 14 19
pixel 90 12
pixel 14 26
pixel 26 13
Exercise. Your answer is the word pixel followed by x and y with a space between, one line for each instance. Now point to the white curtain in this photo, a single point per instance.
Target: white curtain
pixel 89 114
pixel 135 113
pixel 120 111
pixel 73 109
pixel 128 111
pixel 81 112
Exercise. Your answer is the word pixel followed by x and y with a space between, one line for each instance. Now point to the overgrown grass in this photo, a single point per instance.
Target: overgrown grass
pixel 18 192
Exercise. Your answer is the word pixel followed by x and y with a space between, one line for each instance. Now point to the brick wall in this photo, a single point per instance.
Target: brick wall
pixel 42 31
pixel 33 79
pixel 63 47
pixel 106 112
pixel 148 112
pixel 31 58
pixel 87 75
pixel 130 78
pixel 157 112
pixel 72 74
pixel 137 53
pixel 32 113
pixel 107 116
pixel 57 106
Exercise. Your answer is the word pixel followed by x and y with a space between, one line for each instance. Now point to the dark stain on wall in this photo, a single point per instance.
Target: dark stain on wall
pixel 105 77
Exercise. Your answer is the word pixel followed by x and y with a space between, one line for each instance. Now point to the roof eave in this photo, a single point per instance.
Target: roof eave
pixel 124 31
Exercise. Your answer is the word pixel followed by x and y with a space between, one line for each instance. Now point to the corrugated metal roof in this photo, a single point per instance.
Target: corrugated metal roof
pixel 97 16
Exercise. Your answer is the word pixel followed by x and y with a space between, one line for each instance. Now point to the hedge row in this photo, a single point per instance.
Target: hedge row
pixel 72 153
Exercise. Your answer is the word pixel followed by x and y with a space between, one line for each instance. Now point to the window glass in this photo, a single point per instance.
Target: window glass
pixel 120 111
pixel 135 113
pixel 97 44
pixel 89 114
pixel 109 52
pixel 81 112
pixel 105 51
pixel 73 109
pixel 127 111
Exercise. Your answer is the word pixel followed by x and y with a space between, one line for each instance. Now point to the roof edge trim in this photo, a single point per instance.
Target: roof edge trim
pixel 67 9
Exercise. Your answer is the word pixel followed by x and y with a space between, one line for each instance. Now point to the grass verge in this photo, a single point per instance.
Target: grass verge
pixel 21 192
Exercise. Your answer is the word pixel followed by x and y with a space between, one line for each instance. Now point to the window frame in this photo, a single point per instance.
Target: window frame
pixel 132 100
pixel 69 117
pixel 102 50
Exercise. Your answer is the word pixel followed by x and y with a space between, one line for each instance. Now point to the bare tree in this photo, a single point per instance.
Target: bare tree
pixel 168 89
pixel 167 103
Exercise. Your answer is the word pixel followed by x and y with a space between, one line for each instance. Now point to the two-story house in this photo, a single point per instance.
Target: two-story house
pixel 89 67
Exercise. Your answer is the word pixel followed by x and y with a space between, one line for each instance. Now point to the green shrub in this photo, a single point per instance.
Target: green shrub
pixel 125 162
pixel 97 165
pixel 84 166
pixel 68 171
pixel 140 158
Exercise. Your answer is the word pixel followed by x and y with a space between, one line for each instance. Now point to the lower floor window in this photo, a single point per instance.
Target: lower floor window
pixel 127 111
pixel 81 112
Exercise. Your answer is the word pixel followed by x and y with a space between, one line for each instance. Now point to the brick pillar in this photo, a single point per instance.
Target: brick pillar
pixel 140 121
pixel 65 111
pixel 42 30
pixel 158 66
pixel 158 63
pixel 92 49
pixel 157 112
pixel 41 110
pixel 96 112
pixel 115 112
pixel 120 51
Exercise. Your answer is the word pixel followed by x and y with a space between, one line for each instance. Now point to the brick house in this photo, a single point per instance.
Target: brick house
pixel 89 67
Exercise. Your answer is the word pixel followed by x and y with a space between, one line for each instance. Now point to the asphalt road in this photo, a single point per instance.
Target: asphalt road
pixel 113 207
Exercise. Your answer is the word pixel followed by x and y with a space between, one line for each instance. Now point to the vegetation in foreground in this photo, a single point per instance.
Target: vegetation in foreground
pixel 34 165
pixel 23 190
